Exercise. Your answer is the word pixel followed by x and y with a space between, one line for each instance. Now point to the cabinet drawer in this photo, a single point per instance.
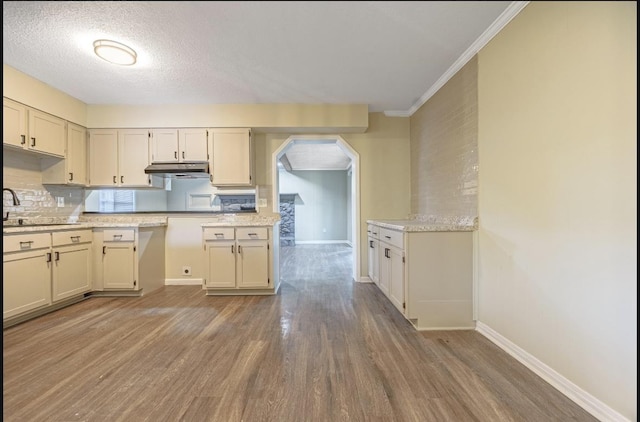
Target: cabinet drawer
pixel 252 233
pixel 392 237
pixel 26 242
pixel 218 233
pixel 119 235
pixel 373 231
pixel 72 237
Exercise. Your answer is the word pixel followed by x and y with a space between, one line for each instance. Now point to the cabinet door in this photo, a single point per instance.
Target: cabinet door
pixel 396 277
pixel 76 157
pixel 118 265
pixel 231 161
pixel 253 263
pixel 14 123
pixel 103 157
pixel 26 281
pixel 385 268
pixel 193 145
pixel 221 256
pixel 133 157
pixel 47 133
pixel 164 146
pixel 374 266
pixel 71 270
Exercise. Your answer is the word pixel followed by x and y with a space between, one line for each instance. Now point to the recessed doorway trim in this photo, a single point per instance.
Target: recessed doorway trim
pixel 355 184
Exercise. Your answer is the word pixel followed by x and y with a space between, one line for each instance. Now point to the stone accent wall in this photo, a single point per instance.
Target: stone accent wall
pixel 287 220
pixel 233 203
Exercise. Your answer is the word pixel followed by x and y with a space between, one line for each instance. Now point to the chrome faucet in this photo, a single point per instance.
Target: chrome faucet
pixel 16 201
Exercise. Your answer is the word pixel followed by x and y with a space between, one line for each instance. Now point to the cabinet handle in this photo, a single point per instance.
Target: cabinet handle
pixel 175 154
pixel 183 155
pixel 114 180
pixel 104 250
pixel 232 249
pixel 71 176
pixel 388 237
pixel 57 256
pixel 26 244
pixel 239 249
pixel 75 238
pixel 121 179
pixel 117 237
pixel 48 256
pixel 23 139
pixel 371 244
pixel 33 142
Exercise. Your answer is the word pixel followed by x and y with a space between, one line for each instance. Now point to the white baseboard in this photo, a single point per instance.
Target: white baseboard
pixel 365 279
pixel 183 282
pixel 585 400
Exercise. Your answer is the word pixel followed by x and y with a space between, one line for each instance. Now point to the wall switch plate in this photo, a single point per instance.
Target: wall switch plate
pixel 60 201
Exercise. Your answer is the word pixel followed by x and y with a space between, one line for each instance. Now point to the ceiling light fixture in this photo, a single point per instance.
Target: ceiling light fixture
pixel 114 52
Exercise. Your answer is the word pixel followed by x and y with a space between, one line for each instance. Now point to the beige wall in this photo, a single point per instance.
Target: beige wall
pixel 444 150
pixel 557 194
pixel 27 90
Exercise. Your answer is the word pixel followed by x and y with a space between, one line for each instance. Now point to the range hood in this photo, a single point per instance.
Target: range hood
pixel 179 170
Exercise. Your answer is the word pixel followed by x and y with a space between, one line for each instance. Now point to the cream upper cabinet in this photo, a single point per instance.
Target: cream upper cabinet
pixel 103 157
pixel 73 169
pixel 179 145
pixel 231 159
pixel 32 130
pixel 118 157
pixel 76 157
pixel 133 157
pixel 14 124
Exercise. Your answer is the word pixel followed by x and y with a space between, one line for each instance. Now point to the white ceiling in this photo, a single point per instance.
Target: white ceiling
pixel 391 56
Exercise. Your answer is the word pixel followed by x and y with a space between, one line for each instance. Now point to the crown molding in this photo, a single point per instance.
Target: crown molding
pixel 510 12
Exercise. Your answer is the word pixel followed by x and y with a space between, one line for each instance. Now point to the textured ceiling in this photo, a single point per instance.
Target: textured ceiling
pixel 388 55
pixel 315 156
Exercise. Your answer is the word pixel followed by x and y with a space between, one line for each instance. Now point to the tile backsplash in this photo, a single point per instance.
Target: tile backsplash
pixel 21 172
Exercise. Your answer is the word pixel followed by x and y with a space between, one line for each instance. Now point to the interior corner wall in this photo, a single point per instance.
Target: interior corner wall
pixel 320 205
pixel 444 149
pixel 557 91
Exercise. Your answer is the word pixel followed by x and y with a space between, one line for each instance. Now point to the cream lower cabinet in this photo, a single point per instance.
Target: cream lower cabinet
pixel 72 256
pixel 428 276
pixel 237 258
pixel 128 260
pixel 373 254
pixel 26 273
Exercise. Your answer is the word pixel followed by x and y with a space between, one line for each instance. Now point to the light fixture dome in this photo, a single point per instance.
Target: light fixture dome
pixel 115 52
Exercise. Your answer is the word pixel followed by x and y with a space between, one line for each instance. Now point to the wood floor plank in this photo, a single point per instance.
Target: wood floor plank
pixel 323 349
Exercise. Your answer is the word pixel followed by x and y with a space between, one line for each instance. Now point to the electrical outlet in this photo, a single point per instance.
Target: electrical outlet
pixel 60 201
pixel 186 270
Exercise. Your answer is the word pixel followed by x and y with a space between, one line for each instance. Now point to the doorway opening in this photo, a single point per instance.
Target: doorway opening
pixel 291 146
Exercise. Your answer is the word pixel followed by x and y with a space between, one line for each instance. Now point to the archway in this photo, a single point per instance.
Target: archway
pixel 355 184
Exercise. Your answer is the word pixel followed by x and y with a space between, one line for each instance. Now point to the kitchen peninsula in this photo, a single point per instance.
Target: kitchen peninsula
pixel 425 268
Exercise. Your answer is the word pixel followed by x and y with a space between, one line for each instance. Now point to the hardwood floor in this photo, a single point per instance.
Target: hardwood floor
pixel 323 349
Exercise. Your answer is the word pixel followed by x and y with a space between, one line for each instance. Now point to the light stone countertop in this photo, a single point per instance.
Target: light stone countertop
pixel 53 224
pixel 436 225
pixel 242 220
